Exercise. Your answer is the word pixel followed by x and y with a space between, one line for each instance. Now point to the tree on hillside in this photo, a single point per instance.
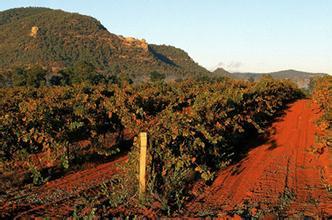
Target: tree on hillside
pixel 66 75
pixel 35 76
pixel 156 76
pixel 3 81
pixel 19 77
pixel 97 78
pixel 82 71
pixel 56 80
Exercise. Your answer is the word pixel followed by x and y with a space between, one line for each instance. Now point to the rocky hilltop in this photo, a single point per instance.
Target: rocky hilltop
pixel 56 39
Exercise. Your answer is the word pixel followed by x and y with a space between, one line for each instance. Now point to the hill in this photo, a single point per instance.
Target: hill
pixel 222 72
pixel 56 39
pixel 302 79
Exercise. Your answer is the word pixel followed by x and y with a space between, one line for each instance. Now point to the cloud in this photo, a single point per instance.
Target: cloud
pixel 220 64
pixel 232 66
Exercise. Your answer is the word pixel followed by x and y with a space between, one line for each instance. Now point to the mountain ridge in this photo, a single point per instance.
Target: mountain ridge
pixel 57 39
pixel 301 78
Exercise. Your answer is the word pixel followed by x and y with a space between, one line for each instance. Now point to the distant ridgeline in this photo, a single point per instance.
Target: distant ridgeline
pixel 302 79
pixel 41 45
pixel 55 40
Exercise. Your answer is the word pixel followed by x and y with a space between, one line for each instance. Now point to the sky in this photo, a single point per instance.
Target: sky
pixel 238 35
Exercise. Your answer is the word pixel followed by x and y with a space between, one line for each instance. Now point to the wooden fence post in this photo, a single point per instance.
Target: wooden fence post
pixel 142 163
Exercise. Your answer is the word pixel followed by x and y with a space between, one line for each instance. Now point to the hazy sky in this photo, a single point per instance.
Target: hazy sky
pixel 239 35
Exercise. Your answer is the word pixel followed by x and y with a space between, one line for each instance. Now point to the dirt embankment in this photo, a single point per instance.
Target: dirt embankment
pixel 59 197
pixel 282 176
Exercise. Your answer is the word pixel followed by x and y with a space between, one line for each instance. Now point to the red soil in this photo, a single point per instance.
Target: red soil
pixel 281 176
pixel 58 196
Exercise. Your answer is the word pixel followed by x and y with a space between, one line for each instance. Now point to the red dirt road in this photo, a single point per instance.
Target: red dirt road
pixel 281 176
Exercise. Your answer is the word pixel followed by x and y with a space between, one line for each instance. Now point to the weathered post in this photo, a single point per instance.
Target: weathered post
pixel 142 163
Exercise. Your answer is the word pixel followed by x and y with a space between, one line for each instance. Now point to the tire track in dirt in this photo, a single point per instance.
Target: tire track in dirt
pixel 59 190
pixel 280 176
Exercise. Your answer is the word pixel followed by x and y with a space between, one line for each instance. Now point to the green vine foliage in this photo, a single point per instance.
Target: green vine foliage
pixel 194 127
